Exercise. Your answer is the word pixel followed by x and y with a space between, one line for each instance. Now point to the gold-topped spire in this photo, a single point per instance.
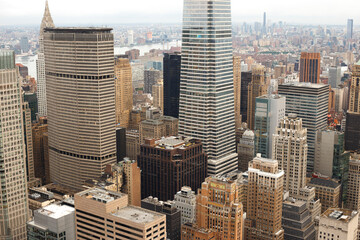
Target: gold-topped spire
pixel 47 19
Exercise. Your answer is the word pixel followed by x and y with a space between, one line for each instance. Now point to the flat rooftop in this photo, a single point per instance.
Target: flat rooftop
pixel 305 84
pixel 55 211
pixel 137 215
pixel 78 29
pixel 339 214
pixel 101 195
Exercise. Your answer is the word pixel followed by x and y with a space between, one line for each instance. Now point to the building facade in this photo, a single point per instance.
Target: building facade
pixel 328 191
pixel 82 125
pixel 353 197
pixel 151 76
pixel 237 90
pixel 245 81
pixel 246 150
pixel 310 67
pixel 171 74
pixel 158 95
pixel 14 202
pixel 185 202
pixel 206 109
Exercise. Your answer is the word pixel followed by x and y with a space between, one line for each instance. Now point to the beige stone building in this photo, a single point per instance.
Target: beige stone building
pixel 327 191
pixel 132 143
pixel 354 102
pixel 237 90
pixel 157 128
pixel 102 214
pixel 257 87
pixel 353 194
pixel 219 207
pixel 81 103
pixel 190 231
pixel 265 198
pixel 123 92
pixel 338 224
pixel 158 95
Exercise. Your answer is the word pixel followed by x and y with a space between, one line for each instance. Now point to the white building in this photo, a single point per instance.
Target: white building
pixel 55 220
pixel 185 202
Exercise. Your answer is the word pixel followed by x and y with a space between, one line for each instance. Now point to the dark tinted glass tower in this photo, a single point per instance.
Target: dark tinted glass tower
pixel 245 80
pixel 172 66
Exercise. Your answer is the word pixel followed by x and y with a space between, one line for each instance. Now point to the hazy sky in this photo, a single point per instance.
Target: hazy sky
pixel 108 12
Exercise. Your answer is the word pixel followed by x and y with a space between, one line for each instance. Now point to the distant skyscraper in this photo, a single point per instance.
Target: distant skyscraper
pixel 263 217
pixel 81 99
pixel 310 103
pixel 349 30
pixel 334 76
pixel 237 90
pixel 130 39
pixel 151 77
pixel 123 92
pixel 172 66
pixel 40 63
pixel 207 86
pixel 310 67
pixel 269 109
pixel 264 24
pixel 256 88
pixel 24 44
pixel 14 203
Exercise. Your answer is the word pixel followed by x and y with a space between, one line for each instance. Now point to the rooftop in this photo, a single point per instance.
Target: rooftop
pixel 305 84
pixel 56 211
pixel 344 215
pixel 101 195
pixel 78 30
pixel 137 215
pixel 324 182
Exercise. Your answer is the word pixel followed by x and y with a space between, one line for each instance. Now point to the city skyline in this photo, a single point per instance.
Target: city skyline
pixel 29 12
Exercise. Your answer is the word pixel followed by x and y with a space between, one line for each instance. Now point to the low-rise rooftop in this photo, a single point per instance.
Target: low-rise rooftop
pixel 344 215
pixel 101 195
pixel 136 214
pixel 56 211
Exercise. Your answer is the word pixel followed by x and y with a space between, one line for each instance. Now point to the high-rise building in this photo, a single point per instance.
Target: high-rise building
pixel 334 76
pixel 31 99
pixel 207 85
pixel 246 150
pixel 24 44
pixel 265 198
pixel 82 133
pixel 172 66
pixel 102 214
pixel 120 144
pixel 349 29
pixel 264 30
pixel 132 143
pixel 353 196
pixel 310 103
pixel 14 202
pixel 269 109
pixel 328 191
pixel 219 207
pixel 337 223
pixel 330 158
pixel 151 77
pixel 352 131
pixel 169 164
pixel 296 220
pixel 40 63
pixel 245 80
pixel 130 39
pixel 158 95
pixel 123 92
pixel 310 67
pixel 173 215
pixel 237 90
pixel 55 221
pixel 256 88
pixel 185 202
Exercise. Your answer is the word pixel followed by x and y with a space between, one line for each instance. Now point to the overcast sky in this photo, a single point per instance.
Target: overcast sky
pixel 109 12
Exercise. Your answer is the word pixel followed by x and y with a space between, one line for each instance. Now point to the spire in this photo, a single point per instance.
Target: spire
pixel 47 19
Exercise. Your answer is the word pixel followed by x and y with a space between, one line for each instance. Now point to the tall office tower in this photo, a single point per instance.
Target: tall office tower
pixel 310 103
pixel 219 207
pixel 237 90
pixel 190 231
pixel 82 133
pixel 158 95
pixel 337 223
pixel 151 77
pixel 24 44
pixel 349 29
pixel 40 63
pixel 334 76
pixel 101 214
pixel 55 221
pixel 264 31
pixel 328 191
pixel 185 202
pixel 296 221
pixel 246 150
pixel 169 164
pixel 173 215
pixel 14 207
pixel 269 109
pixel 265 198
pixel 132 143
pixel 339 99
pixel 171 75
pixel 130 39
pixel 245 80
pixel 310 67
pixel 120 144
pixel 352 131
pixel 40 151
pixel 331 159
pixel 123 92
pixel 353 197
pixel 31 99
pixel 256 88
pixel 207 86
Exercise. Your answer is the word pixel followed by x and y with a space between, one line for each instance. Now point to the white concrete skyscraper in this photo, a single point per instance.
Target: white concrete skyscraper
pixel 40 63
pixel 206 85
pixel 13 186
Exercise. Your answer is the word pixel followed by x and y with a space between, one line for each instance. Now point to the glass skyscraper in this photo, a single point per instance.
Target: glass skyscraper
pixel 206 108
